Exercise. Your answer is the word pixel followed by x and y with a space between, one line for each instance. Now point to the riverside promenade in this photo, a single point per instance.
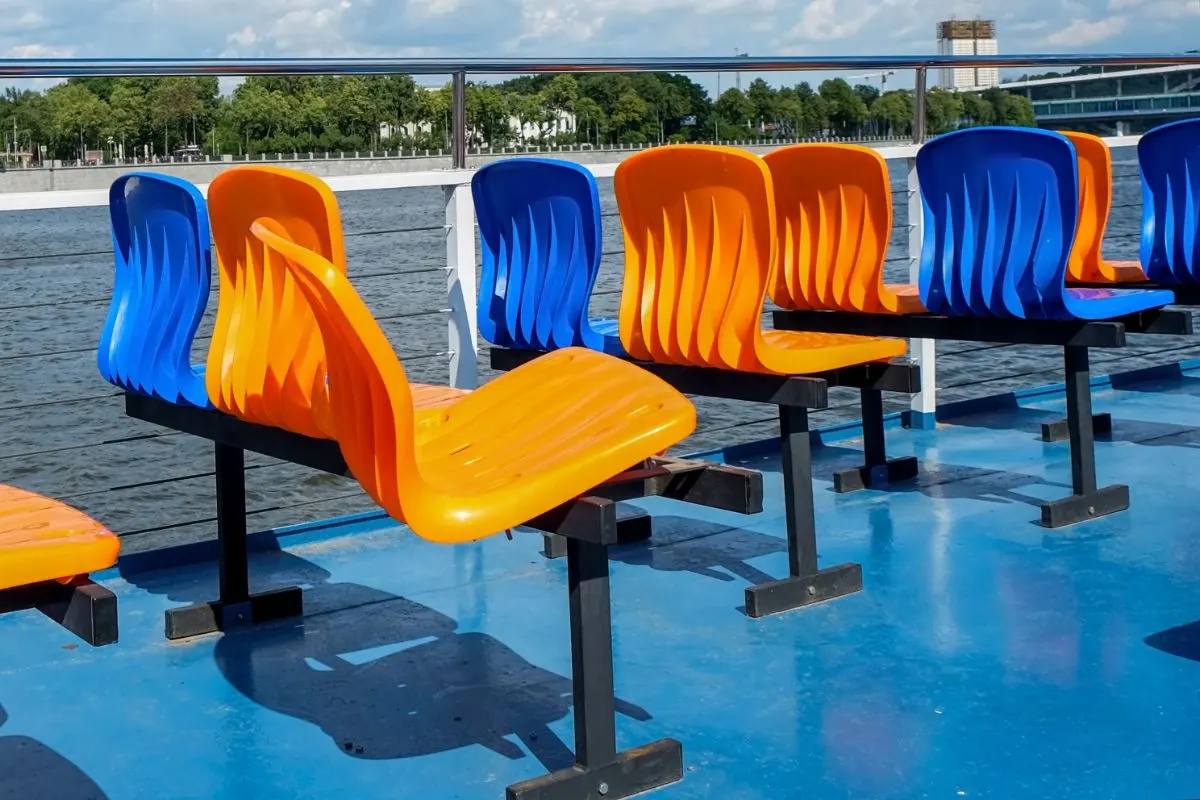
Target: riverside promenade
pixel 74 178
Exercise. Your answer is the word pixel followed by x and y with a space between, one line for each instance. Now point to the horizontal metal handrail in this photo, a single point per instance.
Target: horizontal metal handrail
pixel 121 67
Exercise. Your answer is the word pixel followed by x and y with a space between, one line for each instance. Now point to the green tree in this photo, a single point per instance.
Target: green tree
pixel 630 112
pixel 737 110
pixel 590 117
pixel 76 118
pixel 765 101
pixel 846 109
pixel 25 113
pixel 487 112
pixel 977 110
pixel 127 117
pixel 256 114
pixel 1010 109
pixel 355 111
pixel 894 111
pixel 177 109
pixel 816 115
pixel 943 110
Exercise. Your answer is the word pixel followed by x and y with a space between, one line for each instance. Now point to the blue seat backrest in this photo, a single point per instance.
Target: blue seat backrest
pixel 163 260
pixel 539 228
pixel 1169 158
pixel 1000 209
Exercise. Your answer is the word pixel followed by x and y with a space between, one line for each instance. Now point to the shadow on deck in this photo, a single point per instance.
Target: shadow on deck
pixel 985 656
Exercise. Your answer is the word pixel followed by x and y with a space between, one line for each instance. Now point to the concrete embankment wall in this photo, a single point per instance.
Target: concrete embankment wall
pixel 101 177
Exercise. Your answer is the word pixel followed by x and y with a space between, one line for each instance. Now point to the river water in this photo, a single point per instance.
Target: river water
pixel 64 432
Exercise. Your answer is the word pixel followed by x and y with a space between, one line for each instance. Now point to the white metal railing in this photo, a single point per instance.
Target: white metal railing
pixel 461 260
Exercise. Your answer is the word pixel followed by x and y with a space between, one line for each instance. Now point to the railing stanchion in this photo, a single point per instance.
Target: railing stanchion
pixel 923 351
pixel 460 253
pixel 458 121
pixel 461 286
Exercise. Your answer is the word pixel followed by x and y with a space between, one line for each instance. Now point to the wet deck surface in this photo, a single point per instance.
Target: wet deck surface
pixel 987 656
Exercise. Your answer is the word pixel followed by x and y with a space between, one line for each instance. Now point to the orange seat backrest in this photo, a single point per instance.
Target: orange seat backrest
pixel 834 208
pixel 699 224
pixel 1095 201
pixel 377 437
pixel 267 361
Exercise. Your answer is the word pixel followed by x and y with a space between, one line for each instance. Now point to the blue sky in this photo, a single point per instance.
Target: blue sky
pixel 563 28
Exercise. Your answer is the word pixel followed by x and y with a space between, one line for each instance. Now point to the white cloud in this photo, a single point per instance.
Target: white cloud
pixel 1085 32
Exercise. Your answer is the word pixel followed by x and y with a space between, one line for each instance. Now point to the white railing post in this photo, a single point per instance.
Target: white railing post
pixel 923 406
pixel 461 287
pixel 922 351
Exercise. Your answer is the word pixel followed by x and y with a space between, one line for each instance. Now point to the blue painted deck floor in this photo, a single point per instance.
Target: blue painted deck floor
pixel 987 657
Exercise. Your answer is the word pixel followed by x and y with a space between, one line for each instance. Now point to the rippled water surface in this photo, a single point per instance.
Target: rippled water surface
pixel 64 431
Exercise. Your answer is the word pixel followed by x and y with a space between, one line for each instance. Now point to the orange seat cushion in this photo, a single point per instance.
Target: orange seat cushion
pixel 45 540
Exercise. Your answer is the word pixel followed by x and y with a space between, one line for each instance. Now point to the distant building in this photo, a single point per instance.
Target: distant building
pixel 551 124
pixel 554 123
pixel 960 37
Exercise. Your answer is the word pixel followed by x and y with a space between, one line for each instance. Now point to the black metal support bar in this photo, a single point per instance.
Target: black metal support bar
pixel 86 609
pixel 877 469
pixel 319 454
pixel 689 481
pixel 591 654
pixel 791 390
pixel 897 375
pixel 233 561
pixel 1059 431
pixel 600 771
pixel 236 606
pixel 806 584
pixel 1085 501
pixel 634 526
pixel 1063 333
pixel 703 483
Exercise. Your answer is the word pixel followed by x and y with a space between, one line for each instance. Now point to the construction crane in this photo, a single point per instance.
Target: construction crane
pixel 883 77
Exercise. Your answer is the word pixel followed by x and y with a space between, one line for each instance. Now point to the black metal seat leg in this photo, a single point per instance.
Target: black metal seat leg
pixel 1086 501
pixel 806 584
pixel 82 607
pixel 877 470
pixel 237 607
pixel 600 771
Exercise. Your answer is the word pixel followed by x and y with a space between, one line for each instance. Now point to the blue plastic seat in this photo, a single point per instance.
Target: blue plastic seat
pixel 539 226
pixel 1169 158
pixel 163 261
pixel 1000 209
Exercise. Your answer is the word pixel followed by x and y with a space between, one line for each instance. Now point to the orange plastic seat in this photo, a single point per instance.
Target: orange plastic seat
pixel 267 362
pixel 834 207
pixel 523 444
pixel 700 247
pixel 44 540
pixel 1095 202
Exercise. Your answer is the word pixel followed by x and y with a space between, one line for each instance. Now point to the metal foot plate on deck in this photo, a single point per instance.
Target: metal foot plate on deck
pixel 894 470
pixel 183 623
pixel 1057 431
pixel 799 591
pixel 1082 507
pixel 634 771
